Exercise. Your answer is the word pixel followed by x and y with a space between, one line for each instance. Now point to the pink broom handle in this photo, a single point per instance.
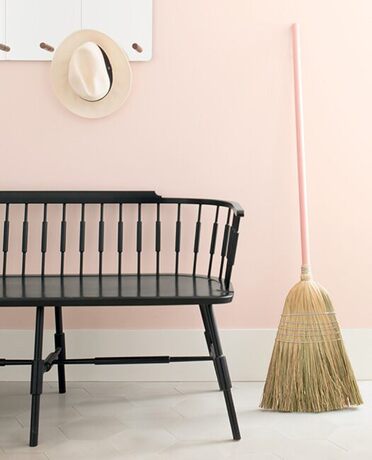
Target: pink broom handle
pixel 301 167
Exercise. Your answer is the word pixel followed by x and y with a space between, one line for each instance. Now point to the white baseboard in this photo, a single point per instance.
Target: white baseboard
pixel 248 353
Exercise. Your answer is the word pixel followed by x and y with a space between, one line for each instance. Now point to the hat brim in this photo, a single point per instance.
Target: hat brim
pixel 121 71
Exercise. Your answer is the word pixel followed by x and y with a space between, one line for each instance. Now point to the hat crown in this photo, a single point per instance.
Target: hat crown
pixel 87 72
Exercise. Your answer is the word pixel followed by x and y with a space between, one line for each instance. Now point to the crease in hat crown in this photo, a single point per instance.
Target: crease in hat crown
pixel 87 72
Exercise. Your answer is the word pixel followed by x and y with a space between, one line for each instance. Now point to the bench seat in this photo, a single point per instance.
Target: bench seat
pixel 108 290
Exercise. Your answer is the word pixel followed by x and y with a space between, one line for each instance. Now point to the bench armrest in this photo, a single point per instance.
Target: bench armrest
pixel 233 205
pixel 237 209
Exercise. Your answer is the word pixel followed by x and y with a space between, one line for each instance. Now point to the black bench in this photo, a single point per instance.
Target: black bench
pixel 120 288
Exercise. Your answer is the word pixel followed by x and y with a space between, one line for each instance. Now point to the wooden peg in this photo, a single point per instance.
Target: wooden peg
pixel 137 47
pixel 5 48
pixel 46 47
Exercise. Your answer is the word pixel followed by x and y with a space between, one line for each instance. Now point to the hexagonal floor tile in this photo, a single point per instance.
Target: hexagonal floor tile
pixel 255 456
pixel 190 388
pixel 11 405
pixel 312 449
pixel 109 406
pixel 17 441
pixel 208 404
pixel 152 394
pixel 72 395
pixel 191 450
pixel 142 441
pixel 149 416
pixel 255 418
pixel 24 456
pixel 353 437
pixel 351 416
pixel 358 454
pixel 84 450
pixel 261 441
pixel 303 426
pixel 90 428
pixel 9 425
pixel 104 388
pixel 51 415
pixel 14 388
pixel 205 429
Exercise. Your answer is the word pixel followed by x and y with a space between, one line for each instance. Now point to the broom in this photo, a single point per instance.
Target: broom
pixel 309 369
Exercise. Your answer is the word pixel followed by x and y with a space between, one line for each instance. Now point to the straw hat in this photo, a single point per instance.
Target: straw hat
pixel 91 75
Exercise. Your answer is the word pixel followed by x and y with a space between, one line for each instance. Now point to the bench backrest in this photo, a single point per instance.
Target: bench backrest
pixel 126 212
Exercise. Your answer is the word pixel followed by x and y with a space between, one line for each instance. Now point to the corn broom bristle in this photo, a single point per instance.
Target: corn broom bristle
pixel 309 369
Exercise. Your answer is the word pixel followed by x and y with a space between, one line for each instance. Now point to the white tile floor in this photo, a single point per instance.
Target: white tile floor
pixel 178 421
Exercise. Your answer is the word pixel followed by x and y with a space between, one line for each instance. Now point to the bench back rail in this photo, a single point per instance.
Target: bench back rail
pixel 223 230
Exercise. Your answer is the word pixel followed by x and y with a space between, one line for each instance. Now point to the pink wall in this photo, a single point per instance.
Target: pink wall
pixel 218 96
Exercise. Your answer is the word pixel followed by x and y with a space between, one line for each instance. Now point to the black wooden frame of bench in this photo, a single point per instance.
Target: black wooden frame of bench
pixel 120 288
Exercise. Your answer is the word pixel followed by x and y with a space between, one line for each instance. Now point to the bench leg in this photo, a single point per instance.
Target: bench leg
pixel 220 362
pixel 59 341
pixel 37 370
pixel 208 339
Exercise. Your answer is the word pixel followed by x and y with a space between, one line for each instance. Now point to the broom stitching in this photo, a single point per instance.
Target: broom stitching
pixel 328 329
pixel 326 313
pixel 312 341
pixel 331 323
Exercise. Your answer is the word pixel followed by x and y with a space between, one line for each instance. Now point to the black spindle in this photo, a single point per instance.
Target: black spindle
pixel 225 240
pixel 139 240
pixel 6 238
pixel 197 240
pixel 24 239
pixel 120 238
pixel 157 238
pixel 213 241
pixel 82 239
pixel 101 238
pixel 178 237
pixel 63 238
pixel 44 238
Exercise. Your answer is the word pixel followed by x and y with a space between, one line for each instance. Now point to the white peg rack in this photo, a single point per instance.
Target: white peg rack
pixel 30 30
